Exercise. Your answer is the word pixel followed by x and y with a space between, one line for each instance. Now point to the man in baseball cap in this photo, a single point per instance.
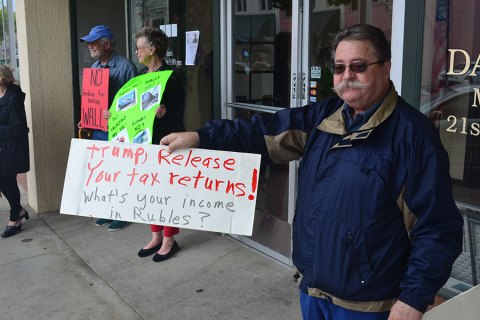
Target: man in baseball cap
pixel 101 46
pixel 98 32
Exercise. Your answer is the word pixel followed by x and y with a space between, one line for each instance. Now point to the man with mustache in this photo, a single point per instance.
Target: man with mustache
pixel 376 229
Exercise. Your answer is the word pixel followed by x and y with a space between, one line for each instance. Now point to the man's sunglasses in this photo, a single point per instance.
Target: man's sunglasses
pixel 356 67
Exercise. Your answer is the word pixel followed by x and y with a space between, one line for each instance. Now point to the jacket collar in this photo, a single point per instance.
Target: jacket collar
pixel 335 124
pixel 110 63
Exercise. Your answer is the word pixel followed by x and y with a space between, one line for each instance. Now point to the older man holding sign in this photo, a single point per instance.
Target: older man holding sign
pixel 107 75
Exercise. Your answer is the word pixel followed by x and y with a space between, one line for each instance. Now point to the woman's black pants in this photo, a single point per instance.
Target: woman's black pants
pixel 9 189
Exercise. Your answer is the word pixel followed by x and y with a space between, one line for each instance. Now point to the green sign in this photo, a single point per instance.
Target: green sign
pixel 133 109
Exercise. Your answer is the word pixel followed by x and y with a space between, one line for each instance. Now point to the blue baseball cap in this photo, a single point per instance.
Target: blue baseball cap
pixel 97 32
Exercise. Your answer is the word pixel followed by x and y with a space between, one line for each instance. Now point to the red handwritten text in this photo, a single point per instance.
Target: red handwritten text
pixel 195 161
pixel 199 181
pixel 144 178
pixel 135 153
pixel 100 175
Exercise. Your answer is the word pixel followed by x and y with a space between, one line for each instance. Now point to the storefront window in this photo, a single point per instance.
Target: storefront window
pixel 262 55
pixel 179 19
pixel 450 97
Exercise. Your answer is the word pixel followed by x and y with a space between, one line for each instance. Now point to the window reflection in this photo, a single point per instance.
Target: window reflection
pixel 449 92
pixel 262 56
pixel 449 95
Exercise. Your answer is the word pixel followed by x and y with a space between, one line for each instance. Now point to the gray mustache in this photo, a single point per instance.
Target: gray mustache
pixel 350 84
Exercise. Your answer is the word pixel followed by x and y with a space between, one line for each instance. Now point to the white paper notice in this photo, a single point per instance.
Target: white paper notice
pixel 191 188
pixel 192 38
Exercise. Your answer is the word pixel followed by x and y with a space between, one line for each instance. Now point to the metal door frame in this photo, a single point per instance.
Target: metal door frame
pixel 227 11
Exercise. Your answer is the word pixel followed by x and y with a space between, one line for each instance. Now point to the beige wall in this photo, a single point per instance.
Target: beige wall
pixel 44 48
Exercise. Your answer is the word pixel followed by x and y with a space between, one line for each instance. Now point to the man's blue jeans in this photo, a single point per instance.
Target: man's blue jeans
pixel 322 309
pixel 100 135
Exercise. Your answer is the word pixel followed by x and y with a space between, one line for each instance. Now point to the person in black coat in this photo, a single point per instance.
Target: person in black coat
pixel 14 154
pixel 152 45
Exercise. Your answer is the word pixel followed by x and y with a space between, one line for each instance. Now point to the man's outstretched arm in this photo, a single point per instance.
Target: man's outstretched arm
pixel 181 140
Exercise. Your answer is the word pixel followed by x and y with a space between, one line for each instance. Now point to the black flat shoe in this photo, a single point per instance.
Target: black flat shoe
pixel 162 257
pixel 25 215
pixel 9 231
pixel 146 252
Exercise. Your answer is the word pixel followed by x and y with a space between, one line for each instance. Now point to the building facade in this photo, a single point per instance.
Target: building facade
pixel 259 56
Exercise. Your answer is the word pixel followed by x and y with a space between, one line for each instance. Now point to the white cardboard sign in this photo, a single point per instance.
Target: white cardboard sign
pixel 191 188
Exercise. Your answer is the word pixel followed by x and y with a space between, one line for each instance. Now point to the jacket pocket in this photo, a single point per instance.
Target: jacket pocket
pixel 357 248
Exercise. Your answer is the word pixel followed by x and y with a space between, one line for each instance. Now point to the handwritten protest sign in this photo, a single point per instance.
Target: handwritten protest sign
pixel 94 98
pixel 191 188
pixel 133 109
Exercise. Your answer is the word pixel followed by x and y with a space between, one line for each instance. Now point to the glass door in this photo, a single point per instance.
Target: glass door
pixel 260 81
pixel 449 96
pixel 179 18
pixel 278 58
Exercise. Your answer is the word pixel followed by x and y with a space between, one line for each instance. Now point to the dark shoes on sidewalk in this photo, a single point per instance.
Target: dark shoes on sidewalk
pixel 13 230
pixel 101 222
pixel 114 225
pixel 117 225
pixel 146 252
pixel 159 257
pixel 10 231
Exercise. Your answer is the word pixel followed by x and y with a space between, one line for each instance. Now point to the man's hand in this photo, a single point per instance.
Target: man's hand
pixel 106 114
pixel 402 311
pixel 181 140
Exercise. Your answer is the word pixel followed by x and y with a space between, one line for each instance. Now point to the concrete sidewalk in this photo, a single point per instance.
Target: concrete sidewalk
pixel 64 267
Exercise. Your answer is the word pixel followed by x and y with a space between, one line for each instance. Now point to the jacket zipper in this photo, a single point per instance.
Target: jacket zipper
pixel 354 256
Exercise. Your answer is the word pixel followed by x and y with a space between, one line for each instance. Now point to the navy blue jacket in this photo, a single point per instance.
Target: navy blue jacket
pixel 375 219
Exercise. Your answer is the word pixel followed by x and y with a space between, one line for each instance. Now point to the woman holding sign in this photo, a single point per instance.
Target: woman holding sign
pixel 14 156
pixel 152 45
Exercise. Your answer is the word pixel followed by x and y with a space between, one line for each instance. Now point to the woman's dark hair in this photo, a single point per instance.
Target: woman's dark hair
pixel 6 75
pixel 365 32
pixel 156 38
